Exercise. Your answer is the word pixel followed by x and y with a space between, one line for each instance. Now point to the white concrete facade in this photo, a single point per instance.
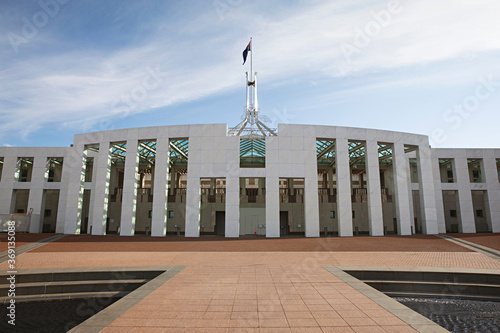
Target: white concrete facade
pixel 290 155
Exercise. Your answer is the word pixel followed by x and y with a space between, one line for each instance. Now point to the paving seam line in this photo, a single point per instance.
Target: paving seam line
pixel 31 246
pixel 491 253
pixel 410 317
pixel 105 317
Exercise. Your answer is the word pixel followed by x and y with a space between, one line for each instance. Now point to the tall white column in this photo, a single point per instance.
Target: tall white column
pixel 36 192
pixel 193 202
pixel 344 204
pixel 232 224
pixel 160 201
pixel 438 195
pixel 101 197
pixel 272 207
pixel 272 187
pixel 7 184
pixel 129 198
pixel 375 219
pixel 468 224
pixel 63 194
pixel 426 191
pixel 402 199
pixel 493 186
pixel 311 202
pixel 76 172
pixel 410 195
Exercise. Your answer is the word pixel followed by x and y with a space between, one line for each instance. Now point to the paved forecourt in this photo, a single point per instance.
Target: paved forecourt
pixel 257 285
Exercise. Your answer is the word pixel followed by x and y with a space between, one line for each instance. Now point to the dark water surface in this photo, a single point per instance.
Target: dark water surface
pixel 457 316
pixel 53 316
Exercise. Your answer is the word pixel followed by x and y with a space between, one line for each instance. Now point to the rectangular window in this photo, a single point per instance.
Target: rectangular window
pixel 150 215
pixel 475 173
pixel 47 213
pixel 479 213
pixel 453 213
pixel 353 214
pixel 53 172
pixel 170 214
pixel 498 168
pixel 446 170
pixel 24 169
pixel 332 214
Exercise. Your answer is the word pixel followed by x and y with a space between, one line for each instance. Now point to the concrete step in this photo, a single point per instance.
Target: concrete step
pixel 425 276
pixel 443 288
pixel 439 295
pixel 56 287
pixel 449 284
pixel 43 285
pixel 66 296
pixel 22 277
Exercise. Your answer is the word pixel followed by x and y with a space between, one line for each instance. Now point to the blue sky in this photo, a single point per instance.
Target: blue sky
pixel 72 66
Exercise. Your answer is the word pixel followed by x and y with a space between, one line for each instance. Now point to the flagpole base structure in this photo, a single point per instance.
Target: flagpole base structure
pixel 252 125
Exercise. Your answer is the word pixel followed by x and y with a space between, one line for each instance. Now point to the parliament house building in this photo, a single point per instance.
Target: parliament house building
pixel 195 180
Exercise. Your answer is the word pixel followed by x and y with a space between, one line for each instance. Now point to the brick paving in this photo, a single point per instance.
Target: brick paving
pixel 488 240
pixel 21 239
pixel 270 289
pixel 111 243
pixel 32 260
pixel 257 298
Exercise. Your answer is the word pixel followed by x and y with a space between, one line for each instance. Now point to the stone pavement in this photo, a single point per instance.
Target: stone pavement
pixel 263 291
pixel 487 239
pixel 20 248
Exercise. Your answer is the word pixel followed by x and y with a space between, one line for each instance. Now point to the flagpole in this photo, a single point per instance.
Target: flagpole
pixel 252 86
pixel 251 60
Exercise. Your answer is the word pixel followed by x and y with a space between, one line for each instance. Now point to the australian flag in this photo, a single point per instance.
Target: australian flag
pixel 245 52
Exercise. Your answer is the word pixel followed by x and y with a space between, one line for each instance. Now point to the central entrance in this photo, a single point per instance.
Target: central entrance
pixel 284 226
pixel 252 207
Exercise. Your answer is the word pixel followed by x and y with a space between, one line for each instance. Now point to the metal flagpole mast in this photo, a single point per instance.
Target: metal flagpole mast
pixel 251 59
pixel 251 116
pixel 251 87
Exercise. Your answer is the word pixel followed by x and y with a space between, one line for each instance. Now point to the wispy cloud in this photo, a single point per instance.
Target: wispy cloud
pixel 198 55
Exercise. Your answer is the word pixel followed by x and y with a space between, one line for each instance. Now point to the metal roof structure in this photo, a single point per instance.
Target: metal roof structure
pixel 252 151
pixel 325 152
pixel 178 152
pixel 179 149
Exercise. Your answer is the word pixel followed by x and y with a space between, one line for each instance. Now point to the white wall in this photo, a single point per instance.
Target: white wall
pixel 212 154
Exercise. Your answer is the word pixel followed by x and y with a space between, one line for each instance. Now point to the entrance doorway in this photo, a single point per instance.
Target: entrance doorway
pixel 220 223
pixel 284 227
